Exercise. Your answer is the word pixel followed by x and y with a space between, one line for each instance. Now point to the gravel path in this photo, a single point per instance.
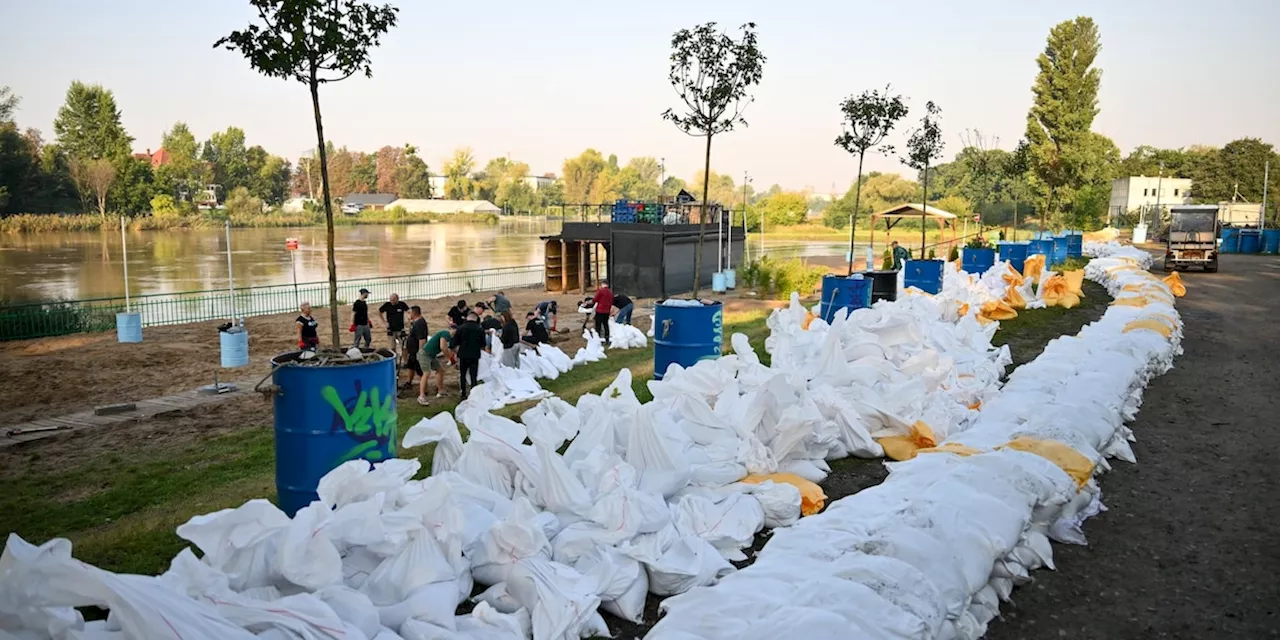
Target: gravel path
pixel 1189 548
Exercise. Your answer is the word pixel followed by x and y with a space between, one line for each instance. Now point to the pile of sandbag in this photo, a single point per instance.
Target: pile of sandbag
pixel 935 549
pixel 505 385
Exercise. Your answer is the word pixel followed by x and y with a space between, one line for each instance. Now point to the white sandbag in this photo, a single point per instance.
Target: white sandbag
pixel 239 542
pixel 441 429
pixel 515 538
pixel 354 480
pixel 562 601
pixel 662 467
pixel 306 556
pixel 729 524
pixel 689 562
pixel 352 607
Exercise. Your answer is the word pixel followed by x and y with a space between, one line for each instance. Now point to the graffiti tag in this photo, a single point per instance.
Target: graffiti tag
pixel 368 417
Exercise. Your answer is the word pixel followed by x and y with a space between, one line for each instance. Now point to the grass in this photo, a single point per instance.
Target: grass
pixel 42 223
pixel 1027 334
pixel 907 235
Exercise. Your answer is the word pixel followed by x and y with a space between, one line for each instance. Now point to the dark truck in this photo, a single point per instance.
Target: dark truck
pixel 1193 238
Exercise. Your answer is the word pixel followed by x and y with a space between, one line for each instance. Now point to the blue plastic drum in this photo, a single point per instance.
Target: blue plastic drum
pixel 977 260
pixel 129 327
pixel 686 335
pixel 235 347
pixel 925 275
pixel 843 292
pixel 1015 253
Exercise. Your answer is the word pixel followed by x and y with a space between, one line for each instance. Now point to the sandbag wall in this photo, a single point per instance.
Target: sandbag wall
pixel 935 549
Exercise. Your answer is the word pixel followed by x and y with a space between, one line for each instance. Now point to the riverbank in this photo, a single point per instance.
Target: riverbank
pixel 40 223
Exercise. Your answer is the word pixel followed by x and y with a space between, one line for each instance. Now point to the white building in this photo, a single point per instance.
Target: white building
pixel 539 182
pixel 1139 193
pixel 412 205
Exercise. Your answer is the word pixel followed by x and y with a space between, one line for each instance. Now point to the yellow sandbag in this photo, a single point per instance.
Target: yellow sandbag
pixel 998 310
pixel 1175 284
pixel 811 495
pixel 905 447
pixel 1069 460
pixel 983 320
pixel 1033 266
pixel 1053 289
pixel 963 310
pixel 951 447
pixel 1132 301
pixel 1013 278
pixel 976 406
pixel 1075 281
pixel 1013 297
pixel 808 318
pixel 1150 324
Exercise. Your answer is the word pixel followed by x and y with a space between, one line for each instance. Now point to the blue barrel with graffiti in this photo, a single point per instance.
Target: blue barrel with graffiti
pixel 844 292
pixel 685 335
pixel 1015 253
pixel 925 275
pixel 325 416
pixel 977 260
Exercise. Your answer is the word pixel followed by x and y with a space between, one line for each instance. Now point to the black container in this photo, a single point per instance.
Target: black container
pixel 884 285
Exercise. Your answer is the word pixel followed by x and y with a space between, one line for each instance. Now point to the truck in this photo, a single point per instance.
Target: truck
pixel 1193 237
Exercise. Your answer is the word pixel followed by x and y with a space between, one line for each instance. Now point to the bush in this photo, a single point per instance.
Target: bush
pixel 886 264
pixel 1070 264
pixel 835 218
pixel 243 203
pixel 778 278
pixel 955 254
pixel 163 206
pixel 933 253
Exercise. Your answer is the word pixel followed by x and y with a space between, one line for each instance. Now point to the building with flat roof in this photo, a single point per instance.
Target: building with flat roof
pixel 1140 192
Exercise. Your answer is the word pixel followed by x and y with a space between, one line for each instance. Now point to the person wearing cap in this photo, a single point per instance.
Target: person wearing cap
pixel 604 305
pixel 361 326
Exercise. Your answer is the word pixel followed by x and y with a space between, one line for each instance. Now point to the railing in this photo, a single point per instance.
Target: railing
pixel 36 320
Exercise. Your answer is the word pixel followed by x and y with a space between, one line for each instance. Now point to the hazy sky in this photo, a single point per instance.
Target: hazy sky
pixel 544 80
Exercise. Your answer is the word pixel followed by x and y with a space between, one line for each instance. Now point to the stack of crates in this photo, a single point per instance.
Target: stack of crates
pixel 624 212
pixel 650 212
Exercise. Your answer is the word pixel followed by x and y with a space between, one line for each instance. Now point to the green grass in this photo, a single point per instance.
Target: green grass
pixel 1027 334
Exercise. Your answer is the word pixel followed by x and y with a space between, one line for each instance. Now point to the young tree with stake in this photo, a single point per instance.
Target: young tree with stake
pixel 923 147
pixel 314 42
pixel 712 72
pixel 868 119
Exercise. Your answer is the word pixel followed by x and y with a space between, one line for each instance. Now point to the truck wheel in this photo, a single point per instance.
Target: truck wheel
pixel 1211 267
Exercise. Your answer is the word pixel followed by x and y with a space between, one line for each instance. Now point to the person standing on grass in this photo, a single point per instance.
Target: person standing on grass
pixel 535 331
pixel 392 312
pixel 432 354
pixel 360 324
pixel 469 342
pixel 416 337
pixel 458 313
pixel 308 337
pixel 499 302
pixel 604 305
pixel 900 255
pixel 624 307
pixel 510 338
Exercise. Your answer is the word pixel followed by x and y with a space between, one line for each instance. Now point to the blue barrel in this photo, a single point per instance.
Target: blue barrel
pixel 235 347
pixel 686 335
pixel 1250 241
pixel 977 260
pixel 844 292
pixel 1040 247
pixel 718 282
pixel 1059 250
pixel 1075 243
pixel 1230 240
pixel 730 279
pixel 1271 241
pixel 325 416
pixel 925 275
pixel 1015 253
pixel 129 327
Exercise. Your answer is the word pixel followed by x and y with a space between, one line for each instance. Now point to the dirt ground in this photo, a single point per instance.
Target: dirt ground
pixel 1188 548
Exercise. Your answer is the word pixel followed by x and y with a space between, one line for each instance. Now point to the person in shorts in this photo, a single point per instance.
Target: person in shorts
pixel 361 326
pixel 392 312
pixel 413 341
pixel 308 337
pixel 432 355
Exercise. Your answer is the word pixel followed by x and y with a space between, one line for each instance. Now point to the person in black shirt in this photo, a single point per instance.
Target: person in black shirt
pixel 469 342
pixel 624 306
pixel 458 314
pixel 418 332
pixel 308 338
pixel 535 330
pixel 360 325
pixel 510 337
pixel 392 313
pixel 547 309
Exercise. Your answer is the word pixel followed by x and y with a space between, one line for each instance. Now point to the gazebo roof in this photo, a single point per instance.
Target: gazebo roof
pixel 913 210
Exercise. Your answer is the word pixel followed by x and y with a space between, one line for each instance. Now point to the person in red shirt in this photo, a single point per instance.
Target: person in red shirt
pixel 604 304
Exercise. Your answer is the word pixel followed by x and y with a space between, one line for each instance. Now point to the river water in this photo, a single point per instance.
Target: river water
pixel 85 265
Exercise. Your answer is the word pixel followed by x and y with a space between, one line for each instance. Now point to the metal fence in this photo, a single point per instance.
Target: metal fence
pixel 38 320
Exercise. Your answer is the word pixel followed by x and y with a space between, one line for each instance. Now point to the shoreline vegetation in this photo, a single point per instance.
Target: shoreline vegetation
pixel 53 222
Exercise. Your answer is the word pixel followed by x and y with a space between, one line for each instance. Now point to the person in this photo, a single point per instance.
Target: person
pixel 492 326
pixel 433 352
pixel 392 312
pixel 458 313
pixel 469 341
pixel 417 337
pixel 604 304
pixel 900 255
pixel 624 306
pixel 547 309
pixel 360 324
pixel 535 330
pixel 308 337
pixel 510 338
pixel 500 303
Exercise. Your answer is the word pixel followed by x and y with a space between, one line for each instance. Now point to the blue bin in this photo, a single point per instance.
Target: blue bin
pixel 235 347
pixel 1230 240
pixel 686 335
pixel 844 292
pixel 718 283
pixel 1075 243
pixel 1015 253
pixel 325 416
pixel 1059 254
pixel 1250 241
pixel 977 260
pixel 925 275
pixel 1271 241
pixel 730 279
pixel 129 327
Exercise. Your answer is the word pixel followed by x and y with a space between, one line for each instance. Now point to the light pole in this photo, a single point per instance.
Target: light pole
pixel 1266 175
pixel 746 254
pixel 1155 217
pixel 662 184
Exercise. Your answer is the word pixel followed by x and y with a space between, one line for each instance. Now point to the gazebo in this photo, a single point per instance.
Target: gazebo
pixel 895 214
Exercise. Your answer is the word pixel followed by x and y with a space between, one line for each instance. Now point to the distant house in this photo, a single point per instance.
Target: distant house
pixel 374 201
pixel 1141 193
pixel 160 157
pixel 417 205
pixel 540 182
pixel 296 205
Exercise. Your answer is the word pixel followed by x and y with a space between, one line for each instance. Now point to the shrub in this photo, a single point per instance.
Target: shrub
pixel 886 263
pixel 778 278
pixel 163 206
pixel 933 253
pixel 955 254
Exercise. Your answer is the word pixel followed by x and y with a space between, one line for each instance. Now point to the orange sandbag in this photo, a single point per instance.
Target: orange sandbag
pixel 963 309
pixel 1013 278
pixel 1069 460
pixel 998 310
pixel 812 497
pixel 1033 266
pixel 905 447
pixel 1075 281
pixel 1175 284
pixel 808 318
pixel 1013 297
pixel 1150 324
pixel 951 447
pixel 1055 293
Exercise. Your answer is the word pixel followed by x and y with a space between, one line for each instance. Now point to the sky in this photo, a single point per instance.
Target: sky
pixel 542 81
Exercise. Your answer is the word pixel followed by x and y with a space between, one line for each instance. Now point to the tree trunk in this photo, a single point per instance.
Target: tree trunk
pixel 702 217
pixel 102 204
pixel 853 217
pixel 328 216
pixel 924 204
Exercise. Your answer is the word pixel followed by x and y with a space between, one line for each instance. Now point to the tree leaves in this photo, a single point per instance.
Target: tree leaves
pixel 712 73
pixel 868 119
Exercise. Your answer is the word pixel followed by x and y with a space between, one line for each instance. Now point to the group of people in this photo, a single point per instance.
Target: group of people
pixel 472 331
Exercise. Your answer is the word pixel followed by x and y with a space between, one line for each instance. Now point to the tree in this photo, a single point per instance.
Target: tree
pixel 8 104
pixel 1061 115
pixel 580 175
pixel 364 173
pixel 784 209
pixel 721 188
pixel 639 179
pixel 184 170
pixel 387 160
pixel 163 206
pixel 958 205
pixel 227 156
pixel 93 179
pixel 868 119
pixel 88 124
pixel 268 175
pixel 1237 168
pixel 458 184
pixel 923 147
pixel 673 185
pixel 412 177
pixel 712 73
pixel 242 203
pixel 314 42
pixel 133 187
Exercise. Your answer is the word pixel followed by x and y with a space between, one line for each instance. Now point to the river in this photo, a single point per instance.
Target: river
pixel 84 265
